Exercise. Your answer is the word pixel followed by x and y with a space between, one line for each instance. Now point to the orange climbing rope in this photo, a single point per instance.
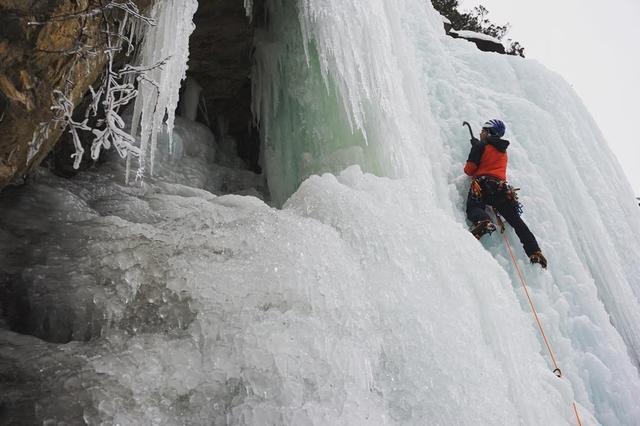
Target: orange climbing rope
pixel 556 370
pixel 575 410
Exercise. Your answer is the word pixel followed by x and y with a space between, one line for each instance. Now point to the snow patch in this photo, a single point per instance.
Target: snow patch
pixel 466 34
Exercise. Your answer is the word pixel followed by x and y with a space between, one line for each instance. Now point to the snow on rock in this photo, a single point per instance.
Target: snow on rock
pixel 474 35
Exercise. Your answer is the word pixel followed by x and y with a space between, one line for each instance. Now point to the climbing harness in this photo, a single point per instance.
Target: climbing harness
pixel 496 190
pixel 556 369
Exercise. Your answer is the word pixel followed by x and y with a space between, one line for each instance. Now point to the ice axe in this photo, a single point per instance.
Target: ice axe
pixel 464 123
pixel 473 138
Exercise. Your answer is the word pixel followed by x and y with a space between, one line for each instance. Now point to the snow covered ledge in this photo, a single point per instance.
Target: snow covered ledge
pixel 484 42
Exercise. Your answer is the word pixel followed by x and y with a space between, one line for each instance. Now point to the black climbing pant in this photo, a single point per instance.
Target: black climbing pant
pixel 495 195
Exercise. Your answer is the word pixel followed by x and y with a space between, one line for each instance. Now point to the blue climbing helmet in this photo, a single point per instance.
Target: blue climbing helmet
pixel 495 127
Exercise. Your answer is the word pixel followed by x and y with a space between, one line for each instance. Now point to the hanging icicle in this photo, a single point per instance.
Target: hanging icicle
pixel 163 56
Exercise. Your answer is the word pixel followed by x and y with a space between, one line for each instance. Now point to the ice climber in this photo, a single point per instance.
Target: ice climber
pixel 487 165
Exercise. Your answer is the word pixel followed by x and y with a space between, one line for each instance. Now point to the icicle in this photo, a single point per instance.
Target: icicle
pixel 248 7
pixel 39 135
pixel 164 53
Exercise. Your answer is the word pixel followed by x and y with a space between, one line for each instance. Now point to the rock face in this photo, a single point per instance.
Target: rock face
pixel 36 59
pixel 39 53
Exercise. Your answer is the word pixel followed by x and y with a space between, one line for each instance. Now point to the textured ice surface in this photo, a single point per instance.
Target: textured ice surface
pixel 218 309
pixel 364 300
pixel 195 160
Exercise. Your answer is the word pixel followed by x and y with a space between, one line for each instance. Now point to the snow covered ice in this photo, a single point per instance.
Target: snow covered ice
pixel 359 296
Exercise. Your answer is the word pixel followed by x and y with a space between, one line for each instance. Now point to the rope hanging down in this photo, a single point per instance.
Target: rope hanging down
pixel 556 369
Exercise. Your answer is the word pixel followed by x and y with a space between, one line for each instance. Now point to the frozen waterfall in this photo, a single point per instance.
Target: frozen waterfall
pixel 358 297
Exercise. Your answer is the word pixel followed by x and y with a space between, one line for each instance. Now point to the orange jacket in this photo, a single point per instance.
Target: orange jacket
pixel 488 159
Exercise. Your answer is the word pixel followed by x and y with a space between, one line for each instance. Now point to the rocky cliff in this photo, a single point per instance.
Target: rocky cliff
pixel 45 46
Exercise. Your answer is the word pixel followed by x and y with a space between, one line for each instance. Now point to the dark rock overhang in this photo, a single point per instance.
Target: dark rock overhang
pixel 483 43
pixel 220 60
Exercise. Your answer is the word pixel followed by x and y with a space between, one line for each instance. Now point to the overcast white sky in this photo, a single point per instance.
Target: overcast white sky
pixel 595 45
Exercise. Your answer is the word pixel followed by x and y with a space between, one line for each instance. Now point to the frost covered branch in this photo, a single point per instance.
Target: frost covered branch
pixel 131 9
pixel 128 6
pixel 131 69
pixel 154 82
pixel 112 93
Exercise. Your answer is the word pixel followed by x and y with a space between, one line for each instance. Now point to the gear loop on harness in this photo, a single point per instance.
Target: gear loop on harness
pixel 493 189
pixel 476 189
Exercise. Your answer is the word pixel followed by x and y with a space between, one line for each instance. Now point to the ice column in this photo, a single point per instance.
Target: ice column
pixel 163 57
pixel 336 83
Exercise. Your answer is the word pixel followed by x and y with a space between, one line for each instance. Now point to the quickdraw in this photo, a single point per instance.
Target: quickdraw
pixel 512 195
pixel 476 189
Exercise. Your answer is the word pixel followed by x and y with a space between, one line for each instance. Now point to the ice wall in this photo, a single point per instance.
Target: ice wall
pixel 328 98
pixel 184 307
pixel 400 89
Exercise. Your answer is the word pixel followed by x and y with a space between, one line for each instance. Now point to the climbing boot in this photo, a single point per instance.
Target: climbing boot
pixel 482 227
pixel 538 257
